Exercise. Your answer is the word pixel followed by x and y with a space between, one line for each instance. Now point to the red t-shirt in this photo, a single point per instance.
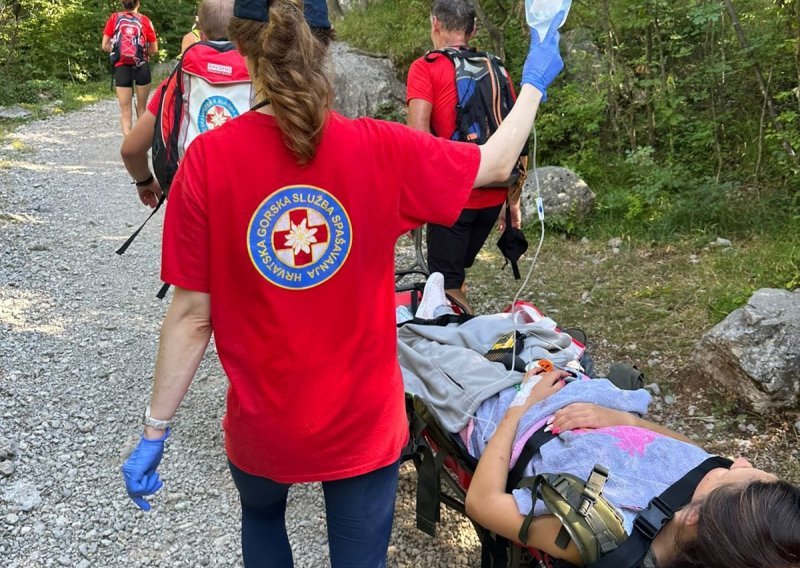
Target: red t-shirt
pixel 147 28
pixel 299 263
pixel 435 82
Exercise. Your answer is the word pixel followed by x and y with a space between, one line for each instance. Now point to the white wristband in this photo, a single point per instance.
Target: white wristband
pixel 155 422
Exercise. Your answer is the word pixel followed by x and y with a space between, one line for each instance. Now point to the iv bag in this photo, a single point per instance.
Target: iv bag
pixel 540 14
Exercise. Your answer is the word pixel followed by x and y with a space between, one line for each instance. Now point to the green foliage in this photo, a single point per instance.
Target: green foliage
pixel 767 262
pixel 658 108
pixel 58 41
pixel 398 29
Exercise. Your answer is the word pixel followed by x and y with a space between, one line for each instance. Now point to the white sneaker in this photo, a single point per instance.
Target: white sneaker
pixel 434 301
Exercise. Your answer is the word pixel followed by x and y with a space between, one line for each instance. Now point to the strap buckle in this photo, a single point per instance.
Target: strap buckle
pixel 651 520
pixel 593 489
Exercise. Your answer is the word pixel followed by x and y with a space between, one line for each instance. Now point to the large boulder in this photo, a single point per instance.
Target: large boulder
pixel 566 197
pixel 755 351
pixel 365 84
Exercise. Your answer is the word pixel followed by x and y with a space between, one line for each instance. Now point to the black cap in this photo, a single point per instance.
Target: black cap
pixel 316 11
pixel 251 10
pixel 512 243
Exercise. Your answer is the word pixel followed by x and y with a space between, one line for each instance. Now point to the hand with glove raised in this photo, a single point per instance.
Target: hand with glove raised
pixel 544 62
pixel 139 470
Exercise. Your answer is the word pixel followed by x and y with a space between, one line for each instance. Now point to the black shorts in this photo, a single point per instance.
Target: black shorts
pixel 451 250
pixel 126 75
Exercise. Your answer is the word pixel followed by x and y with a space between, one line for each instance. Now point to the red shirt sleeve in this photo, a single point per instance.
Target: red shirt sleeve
pixel 149 30
pixel 432 176
pixel 419 84
pixel 185 255
pixel 155 100
pixel 109 29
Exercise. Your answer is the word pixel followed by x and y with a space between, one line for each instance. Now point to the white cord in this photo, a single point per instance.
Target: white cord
pixel 540 213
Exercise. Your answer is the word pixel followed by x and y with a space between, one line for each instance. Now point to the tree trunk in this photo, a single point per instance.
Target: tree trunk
pixel 495 33
pixel 335 9
pixel 773 113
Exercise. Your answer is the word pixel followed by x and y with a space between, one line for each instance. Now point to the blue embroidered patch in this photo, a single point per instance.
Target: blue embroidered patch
pixel 299 237
pixel 214 112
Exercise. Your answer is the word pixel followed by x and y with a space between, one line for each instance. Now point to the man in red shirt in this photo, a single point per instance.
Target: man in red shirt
pixel 125 72
pixel 432 99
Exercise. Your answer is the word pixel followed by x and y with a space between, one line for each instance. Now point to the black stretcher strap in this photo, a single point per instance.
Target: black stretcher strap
pixel 428 489
pixel 532 446
pixel 121 250
pixel 649 522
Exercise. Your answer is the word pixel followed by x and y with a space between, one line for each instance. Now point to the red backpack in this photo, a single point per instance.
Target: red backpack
pixel 128 40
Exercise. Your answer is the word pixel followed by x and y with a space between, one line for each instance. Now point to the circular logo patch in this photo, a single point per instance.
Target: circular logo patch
pixel 214 112
pixel 299 237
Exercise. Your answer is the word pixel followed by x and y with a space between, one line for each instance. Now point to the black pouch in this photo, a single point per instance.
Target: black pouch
pixel 505 347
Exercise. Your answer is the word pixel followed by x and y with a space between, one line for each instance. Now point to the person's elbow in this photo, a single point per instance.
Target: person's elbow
pixel 476 504
pixel 131 151
pixel 495 167
pixel 192 311
pixel 136 144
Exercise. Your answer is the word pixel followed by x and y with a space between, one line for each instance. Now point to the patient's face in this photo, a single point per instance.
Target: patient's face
pixel 741 472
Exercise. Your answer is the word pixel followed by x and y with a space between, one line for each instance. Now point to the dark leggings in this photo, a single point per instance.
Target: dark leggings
pixel 359 511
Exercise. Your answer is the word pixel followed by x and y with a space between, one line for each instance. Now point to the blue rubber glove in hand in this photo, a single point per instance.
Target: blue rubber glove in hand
pixel 139 470
pixel 544 62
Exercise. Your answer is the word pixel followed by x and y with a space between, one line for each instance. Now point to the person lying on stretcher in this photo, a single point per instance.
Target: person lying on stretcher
pixel 738 516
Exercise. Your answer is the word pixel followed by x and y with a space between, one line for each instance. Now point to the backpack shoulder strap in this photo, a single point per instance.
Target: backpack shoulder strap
pixel 649 522
pixel 593 524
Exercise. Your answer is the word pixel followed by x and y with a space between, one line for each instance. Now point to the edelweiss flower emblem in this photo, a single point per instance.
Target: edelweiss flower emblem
pixel 217 117
pixel 301 237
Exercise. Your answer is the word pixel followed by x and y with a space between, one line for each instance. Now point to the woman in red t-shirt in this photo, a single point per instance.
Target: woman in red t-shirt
pixel 129 38
pixel 279 237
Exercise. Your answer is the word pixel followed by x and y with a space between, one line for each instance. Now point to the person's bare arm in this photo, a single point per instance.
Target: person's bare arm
pixel 152 48
pixel 501 151
pixel 134 156
pixel 419 115
pixel 188 40
pixel 185 334
pixel 588 415
pixel 105 45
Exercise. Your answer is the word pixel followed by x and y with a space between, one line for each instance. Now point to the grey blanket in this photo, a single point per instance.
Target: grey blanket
pixel 446 367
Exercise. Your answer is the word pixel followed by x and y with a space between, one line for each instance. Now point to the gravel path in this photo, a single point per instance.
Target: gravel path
pixel 78 333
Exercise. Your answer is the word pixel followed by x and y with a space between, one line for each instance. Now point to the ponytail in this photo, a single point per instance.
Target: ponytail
pixel 288 67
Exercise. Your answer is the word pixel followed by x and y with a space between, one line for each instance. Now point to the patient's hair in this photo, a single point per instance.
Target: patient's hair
pixel 751 526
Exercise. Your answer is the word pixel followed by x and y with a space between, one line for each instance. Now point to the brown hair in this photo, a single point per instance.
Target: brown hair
pixel 130 4
pixel 755 526
pixel 288 66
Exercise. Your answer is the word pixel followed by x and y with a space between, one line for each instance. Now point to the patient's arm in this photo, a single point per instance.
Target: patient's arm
pixel 487 502
pixel 588 415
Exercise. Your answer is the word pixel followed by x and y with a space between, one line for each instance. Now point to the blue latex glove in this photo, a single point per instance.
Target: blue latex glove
pixel 139 470
pixel 544 62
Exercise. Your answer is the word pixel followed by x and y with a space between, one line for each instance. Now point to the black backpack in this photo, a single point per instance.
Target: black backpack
pixel 485 96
